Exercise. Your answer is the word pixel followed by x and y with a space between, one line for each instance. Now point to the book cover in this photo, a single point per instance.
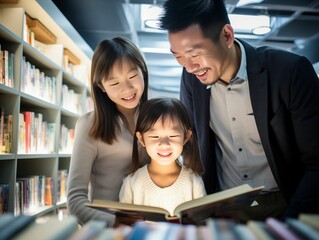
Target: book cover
pixel 28 130
pixel 51 228
pixel 11 70
pixel 1 66
pixel 260 230
pixel 302 229
pixel 17 224
pixel 89 231
pixel 4 198
pixel 194 210
pixel 158 230
pixel 5 68
pixel 7 135
pixel 48 191
pixel 5 219
pixel 222 229
pixel 310 219
pixel 1 127
pixel 244 233
pixel 280 229
pixel 118 233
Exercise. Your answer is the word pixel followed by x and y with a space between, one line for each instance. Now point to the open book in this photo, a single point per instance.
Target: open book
pixel 194 210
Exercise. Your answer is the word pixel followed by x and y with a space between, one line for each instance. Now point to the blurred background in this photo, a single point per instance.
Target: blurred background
pixel 289 24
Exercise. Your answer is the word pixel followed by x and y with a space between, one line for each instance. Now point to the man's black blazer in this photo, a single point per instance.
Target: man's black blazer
pixel 284 91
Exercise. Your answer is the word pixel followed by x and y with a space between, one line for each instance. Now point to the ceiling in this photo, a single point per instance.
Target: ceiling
pixel 295 27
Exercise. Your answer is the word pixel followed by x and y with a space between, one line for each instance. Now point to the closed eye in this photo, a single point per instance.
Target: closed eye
pixel 133 76
pixel 174 136
pixel 114 84
pixel 153 137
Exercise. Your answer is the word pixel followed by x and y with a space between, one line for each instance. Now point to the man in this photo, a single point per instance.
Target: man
pixel 255 110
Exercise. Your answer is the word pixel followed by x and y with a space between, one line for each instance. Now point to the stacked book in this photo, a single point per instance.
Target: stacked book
pixel 28 227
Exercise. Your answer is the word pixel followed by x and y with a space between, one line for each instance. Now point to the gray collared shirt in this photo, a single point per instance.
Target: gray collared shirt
pixel 241 157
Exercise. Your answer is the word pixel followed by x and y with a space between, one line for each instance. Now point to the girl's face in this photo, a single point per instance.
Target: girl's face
pixel 164 141
pixel 124 85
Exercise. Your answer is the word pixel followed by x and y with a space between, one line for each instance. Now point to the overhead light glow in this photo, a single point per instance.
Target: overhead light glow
pixel 256 24
pixel 248 24
pixel 261 30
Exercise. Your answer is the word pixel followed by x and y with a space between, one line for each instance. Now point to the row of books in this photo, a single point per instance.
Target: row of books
pixel 35 134
pixel 26 227
pixel 41 38
pixel 32 193
pixel 71 100
pixel 36 83
pixel 6 125
pixel 66 139
pixel 6 67
pixel 62 185
pixel 35 192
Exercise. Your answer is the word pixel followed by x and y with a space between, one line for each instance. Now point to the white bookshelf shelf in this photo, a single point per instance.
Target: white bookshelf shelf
pixel 16 99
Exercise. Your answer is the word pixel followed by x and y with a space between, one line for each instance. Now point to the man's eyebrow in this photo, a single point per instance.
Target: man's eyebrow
pixel 190 50
pixel 194 47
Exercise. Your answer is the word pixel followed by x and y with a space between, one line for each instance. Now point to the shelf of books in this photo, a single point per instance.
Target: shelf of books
pixel 43 90
pixel 306 226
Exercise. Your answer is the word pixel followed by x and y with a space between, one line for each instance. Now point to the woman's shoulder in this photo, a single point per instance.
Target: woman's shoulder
pixel 86 119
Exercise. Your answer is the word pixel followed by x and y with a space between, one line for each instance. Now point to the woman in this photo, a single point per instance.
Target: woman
pixel 102 148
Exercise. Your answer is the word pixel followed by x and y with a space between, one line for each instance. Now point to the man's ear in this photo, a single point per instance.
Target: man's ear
pixel 140 138
pixel 228 35
pixel 188 135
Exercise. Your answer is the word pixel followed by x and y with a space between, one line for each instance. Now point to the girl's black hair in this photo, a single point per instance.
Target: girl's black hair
pixel 105 123
pixel 162 108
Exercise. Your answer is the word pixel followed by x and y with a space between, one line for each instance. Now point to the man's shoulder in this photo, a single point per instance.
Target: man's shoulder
pixel 268 51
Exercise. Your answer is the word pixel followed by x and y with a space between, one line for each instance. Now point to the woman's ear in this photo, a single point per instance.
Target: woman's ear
pixel 188 135
pixel 101 86
pixel 140 138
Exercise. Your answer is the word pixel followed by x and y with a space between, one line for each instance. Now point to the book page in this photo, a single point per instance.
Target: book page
pixel 126 209
pixel 227 200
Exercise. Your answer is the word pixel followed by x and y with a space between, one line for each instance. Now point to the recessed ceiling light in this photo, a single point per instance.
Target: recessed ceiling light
pixel 262 30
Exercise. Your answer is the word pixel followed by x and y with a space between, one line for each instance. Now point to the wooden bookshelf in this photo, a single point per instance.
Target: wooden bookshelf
pixel 45 58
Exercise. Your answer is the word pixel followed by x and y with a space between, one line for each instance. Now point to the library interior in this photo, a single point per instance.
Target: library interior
pixel 46 50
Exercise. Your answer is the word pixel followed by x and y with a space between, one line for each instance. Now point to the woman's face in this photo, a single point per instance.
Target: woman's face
pixel 124 85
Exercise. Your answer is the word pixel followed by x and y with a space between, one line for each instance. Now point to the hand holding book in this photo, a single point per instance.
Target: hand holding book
pixel 192 211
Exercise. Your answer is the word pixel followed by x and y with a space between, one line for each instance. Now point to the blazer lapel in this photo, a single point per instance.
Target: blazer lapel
pixel 259 92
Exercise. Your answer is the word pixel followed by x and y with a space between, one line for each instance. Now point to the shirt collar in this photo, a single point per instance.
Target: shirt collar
pixel 242 71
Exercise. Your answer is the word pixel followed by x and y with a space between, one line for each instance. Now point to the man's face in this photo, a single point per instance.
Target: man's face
pixel 199 54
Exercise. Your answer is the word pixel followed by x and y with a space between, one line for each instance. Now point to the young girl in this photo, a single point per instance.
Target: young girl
pixel 102 150
pixel 163 129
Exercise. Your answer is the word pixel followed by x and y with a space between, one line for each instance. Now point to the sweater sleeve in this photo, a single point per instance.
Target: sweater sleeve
pixel 83 155
pixel 126 192
pixel 198 187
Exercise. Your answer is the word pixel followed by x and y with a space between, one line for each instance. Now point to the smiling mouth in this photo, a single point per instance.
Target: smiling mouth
pixel 164 155
pixel 201 75
pixel 129 98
